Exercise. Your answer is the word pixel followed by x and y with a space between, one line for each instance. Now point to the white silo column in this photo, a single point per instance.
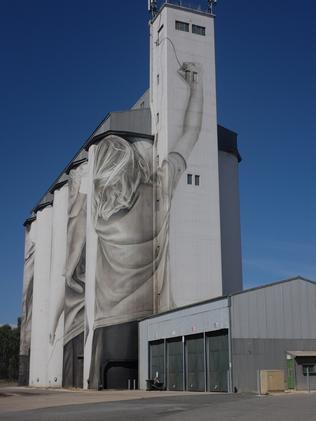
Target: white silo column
pixel 27 302
pixel 40 316
pixel 183 104
pixel 57 287
pixel 91 256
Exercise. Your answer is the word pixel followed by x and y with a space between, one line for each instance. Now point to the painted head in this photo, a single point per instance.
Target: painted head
pixel 119 169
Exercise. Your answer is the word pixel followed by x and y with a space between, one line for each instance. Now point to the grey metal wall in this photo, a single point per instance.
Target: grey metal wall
pixel 284 310
pixel 265 323
pixel 206 317
pixel 230 222
pixel 137 120
pixel 143 101
pixel 251 355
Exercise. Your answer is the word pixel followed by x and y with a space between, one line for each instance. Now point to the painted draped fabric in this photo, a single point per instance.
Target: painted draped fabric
pixel 132 252
pixel 76 253
pixel 27 303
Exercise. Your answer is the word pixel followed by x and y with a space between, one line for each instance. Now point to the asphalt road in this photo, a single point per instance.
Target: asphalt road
pixel 287 407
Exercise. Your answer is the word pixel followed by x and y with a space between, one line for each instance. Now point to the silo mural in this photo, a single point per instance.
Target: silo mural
pixel 131 227
pixel 74 303
pixel 27 302
pixel 130 210
pixel 57 284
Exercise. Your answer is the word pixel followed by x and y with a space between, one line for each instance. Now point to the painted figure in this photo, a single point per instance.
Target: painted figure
pixel 71 296
pixel 76 253
pixel 27 305
pixel 131 210
pixel 26 319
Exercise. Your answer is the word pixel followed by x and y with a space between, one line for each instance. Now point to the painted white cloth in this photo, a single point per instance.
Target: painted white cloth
pixel 27 303
pixel 133 249
pixel 76 254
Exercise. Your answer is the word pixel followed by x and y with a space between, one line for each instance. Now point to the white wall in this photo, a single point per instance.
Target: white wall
pixel 57 286
pixel 195 238
pixel 41 298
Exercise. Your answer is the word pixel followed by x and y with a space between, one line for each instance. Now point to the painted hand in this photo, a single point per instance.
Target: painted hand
pixel 191 73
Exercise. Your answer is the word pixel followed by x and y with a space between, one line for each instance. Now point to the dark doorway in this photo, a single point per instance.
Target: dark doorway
pixel 157 360
pixel 217 361
pixel 305 372
pixel 175 364
pixel 120 374
pixel 73 362
pixel 114 356
pixel 195 363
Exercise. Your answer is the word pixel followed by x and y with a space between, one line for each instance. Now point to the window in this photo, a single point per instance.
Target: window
pixel 191 76
pixel 309 368
pixel 200 30
pixel 182 26
pixel 196 179
pixel 157 118
pixel 158 79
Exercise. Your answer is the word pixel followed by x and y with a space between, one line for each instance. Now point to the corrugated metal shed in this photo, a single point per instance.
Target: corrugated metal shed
pixel 284 310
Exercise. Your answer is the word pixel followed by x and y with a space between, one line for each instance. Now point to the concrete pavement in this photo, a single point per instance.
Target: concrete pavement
pixel 26 398
pixel 59 405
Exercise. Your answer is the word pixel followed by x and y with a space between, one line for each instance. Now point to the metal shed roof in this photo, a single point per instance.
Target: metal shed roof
pixel 302 353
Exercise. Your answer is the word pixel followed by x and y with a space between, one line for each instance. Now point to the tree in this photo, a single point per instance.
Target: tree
pixel 9 351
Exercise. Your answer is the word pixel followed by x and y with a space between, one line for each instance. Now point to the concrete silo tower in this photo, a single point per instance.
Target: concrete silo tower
pixel 204 226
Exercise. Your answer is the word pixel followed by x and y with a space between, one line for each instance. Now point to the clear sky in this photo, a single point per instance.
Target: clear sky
pixel 65 64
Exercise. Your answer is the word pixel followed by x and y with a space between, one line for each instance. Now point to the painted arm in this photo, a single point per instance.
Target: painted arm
pixel 192 75
pixel 76 244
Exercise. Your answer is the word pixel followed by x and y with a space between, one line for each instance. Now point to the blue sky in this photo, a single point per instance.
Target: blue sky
pixel 65 64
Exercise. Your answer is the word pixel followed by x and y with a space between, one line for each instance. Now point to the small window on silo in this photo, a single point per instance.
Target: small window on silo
pixel 189 178
pixel 199 30
pixel 182 26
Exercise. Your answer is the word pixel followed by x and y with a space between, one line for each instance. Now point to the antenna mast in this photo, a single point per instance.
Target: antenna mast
pixel 152 8
pixel 211 6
